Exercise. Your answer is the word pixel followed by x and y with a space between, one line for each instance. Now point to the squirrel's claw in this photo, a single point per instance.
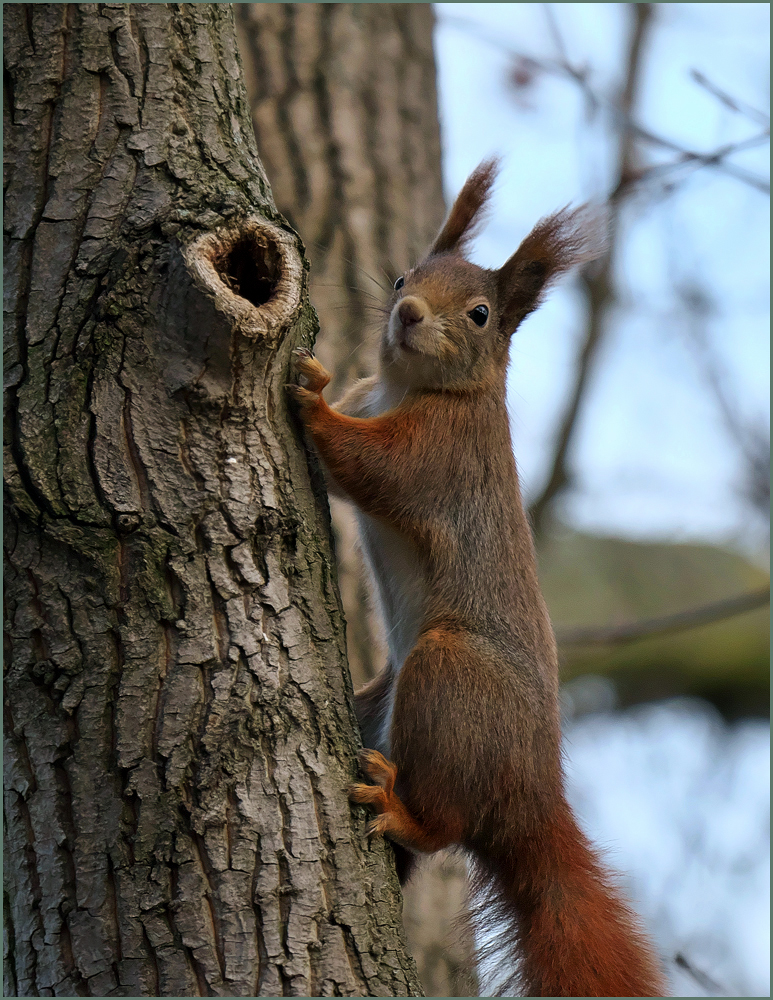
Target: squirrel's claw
pixel 306 365
pixel 367 795
pixel 301 396
pixel 379 826
pixel 379 770
pixel 374 797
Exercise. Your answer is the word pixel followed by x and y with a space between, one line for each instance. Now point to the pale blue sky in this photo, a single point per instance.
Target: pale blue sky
pixel 654 457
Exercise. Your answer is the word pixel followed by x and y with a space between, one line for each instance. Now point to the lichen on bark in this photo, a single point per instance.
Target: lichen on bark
pixel 179 726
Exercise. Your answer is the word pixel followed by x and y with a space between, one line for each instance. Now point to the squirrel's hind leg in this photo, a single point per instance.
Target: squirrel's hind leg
pixel 372 705
pixel 393 819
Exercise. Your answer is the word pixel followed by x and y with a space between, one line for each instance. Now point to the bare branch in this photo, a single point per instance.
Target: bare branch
pixel 681 621
pixel 577 73
pixel 597 281
pixel 715 159
pixel 558 38
pixel 701 978
pixel 752 439
pixel 472 27
pixel 741 107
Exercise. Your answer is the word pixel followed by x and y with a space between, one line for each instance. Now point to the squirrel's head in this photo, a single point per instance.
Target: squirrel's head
pixel 451 321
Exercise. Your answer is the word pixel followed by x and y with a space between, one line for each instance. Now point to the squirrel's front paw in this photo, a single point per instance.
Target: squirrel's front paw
pixel 315 377
pixel 302 397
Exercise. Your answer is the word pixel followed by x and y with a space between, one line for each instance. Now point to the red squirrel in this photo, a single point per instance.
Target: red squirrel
pixel 462 725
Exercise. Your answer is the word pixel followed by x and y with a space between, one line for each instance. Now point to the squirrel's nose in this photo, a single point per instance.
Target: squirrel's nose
pixel 410 311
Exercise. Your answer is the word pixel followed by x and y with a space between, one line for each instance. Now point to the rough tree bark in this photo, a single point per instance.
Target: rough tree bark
pixel 179 729
pixel 344 106
pixel 345 112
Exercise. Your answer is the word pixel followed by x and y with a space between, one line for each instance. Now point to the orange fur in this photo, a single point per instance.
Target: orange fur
pixel 467 707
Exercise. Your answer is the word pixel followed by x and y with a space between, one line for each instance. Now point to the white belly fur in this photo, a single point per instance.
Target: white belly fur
pixel 397 574
pixel 399 584
pixel 400 589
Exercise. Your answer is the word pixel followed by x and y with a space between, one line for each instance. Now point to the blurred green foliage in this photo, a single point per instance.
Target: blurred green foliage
pixel 591 581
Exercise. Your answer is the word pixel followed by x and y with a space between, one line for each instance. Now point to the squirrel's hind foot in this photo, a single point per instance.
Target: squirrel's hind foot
pixel 393 819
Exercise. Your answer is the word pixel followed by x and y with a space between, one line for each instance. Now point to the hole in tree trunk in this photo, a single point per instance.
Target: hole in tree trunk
pixel 254 273
pixel 250 267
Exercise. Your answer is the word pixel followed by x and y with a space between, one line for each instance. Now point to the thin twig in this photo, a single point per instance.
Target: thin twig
pixel 716 159
pixel 472 27
pixel 681 621
pixel 701 978
pixel 597 281
pixel 752 440
pixel 558 38
pixel 578 74
pixel 741 107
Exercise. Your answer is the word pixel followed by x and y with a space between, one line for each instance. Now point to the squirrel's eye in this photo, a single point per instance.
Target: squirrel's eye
pixel 479 315
pixel 399 283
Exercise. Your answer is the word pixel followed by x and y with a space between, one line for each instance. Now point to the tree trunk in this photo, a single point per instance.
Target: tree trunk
pixel 179 727
pixel 345 112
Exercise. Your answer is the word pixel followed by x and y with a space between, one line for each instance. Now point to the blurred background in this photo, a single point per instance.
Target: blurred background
pixel 638 395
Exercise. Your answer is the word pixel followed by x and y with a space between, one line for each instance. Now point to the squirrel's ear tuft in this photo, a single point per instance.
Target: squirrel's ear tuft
pixel 555 245
pixel 464 218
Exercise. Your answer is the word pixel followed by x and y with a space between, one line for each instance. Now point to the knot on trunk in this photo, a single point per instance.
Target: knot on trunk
pixel 254 273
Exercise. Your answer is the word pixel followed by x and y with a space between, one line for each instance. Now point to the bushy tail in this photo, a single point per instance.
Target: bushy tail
pixel 547 900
